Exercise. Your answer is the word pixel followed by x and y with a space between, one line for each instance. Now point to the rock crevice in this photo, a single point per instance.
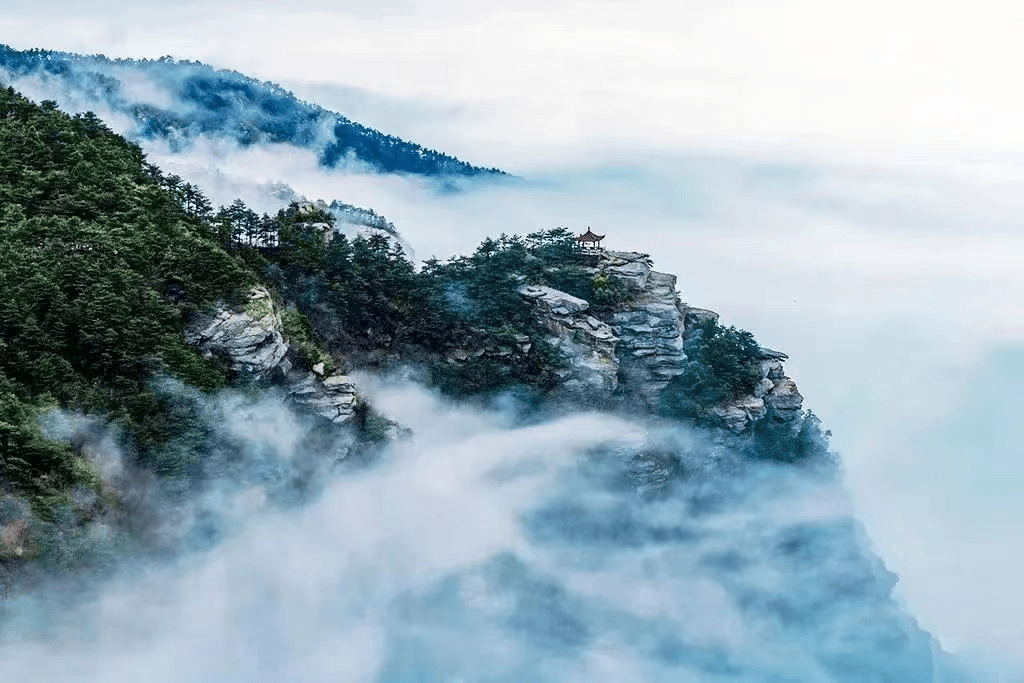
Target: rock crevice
pixel 587 343
pixel 650 323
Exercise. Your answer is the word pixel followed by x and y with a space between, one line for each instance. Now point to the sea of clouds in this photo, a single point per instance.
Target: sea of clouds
pixel 477 547
pixel 843 183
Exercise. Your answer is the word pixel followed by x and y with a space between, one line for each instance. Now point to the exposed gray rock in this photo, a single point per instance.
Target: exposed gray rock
pixel 772 369
pixel 650 324
pixel 553 300
pixel 780 396
pixel 695 316
pixel 740 414
pixel 252 343
pixel 249 340
pixel 764 387
pixel 640 341
pixel 784 396
pixel 771 354
pixel 629 268
pixel 588 344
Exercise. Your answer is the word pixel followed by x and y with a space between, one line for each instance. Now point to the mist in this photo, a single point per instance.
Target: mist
pixel 891 289
pixel 896 293
pixel 481 547
pixel 843 182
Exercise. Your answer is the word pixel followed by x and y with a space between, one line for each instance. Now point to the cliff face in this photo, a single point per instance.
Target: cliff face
pixel 588 344
pixel 629 351
pixel 637 347
pixel 253 344
pixel 650 324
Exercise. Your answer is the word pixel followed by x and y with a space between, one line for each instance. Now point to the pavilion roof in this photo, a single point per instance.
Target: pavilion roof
pixel 589 236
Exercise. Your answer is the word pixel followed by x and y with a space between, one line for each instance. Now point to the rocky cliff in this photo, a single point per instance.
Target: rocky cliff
pixel 587 344
pixel 252 343
pixel 627 352
pixel 650 323
pixel 635 347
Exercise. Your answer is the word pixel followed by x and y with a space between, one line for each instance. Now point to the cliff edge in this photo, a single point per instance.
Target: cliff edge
pixel 635 347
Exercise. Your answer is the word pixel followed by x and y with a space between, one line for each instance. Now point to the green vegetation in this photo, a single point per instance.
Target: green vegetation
pixel 606 293
pixel 228 105
pixel 102 257
pixel 373 427
pixel 365 301
pixel 258 308
pixel 299 333
pixel 99 262
pixel 723 364
pixel 782 441
pixel 30 462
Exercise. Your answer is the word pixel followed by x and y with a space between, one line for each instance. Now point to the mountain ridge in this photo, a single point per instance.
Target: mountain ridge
pixel 208 357
pixel 179 101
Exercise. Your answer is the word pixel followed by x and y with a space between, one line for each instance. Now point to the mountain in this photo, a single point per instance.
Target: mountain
pixel 181 101
pixel 532 462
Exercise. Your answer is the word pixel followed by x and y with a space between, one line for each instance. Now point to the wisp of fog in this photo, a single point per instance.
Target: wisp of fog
pixel 483 547
pixel 895 289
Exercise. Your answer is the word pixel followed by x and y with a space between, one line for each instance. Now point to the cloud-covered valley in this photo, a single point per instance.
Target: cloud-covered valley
pixel 846 187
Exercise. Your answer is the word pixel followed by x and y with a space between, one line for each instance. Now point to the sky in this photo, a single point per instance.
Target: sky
pixel 843 179
pixel 792 75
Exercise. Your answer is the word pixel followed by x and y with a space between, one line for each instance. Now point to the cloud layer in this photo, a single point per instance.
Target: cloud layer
pixel 845 182
pixel 483 549
pixel 881 78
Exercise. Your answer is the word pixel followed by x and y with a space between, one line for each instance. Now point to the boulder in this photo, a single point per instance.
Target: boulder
pixel 554 300
pixel 772 369
pixel 771 354
pixel 739 415
pixel 250 340
pixel 630 269
pixel 696 316
pixel 784 396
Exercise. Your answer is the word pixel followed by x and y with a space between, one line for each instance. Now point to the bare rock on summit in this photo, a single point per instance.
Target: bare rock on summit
pixel 784 396
pixel 636 347
pixel 650 323
pixel 250 340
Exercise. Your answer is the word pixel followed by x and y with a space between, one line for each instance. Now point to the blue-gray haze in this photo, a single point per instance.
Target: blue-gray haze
pixel 896 293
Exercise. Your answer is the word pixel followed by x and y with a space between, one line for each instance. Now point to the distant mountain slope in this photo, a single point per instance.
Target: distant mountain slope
pixel 179 101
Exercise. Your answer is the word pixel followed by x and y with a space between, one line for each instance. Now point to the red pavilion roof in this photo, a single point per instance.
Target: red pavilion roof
pixel 589 236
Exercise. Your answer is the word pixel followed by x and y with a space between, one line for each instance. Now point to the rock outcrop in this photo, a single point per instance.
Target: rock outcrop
pixel 650 324
pixel 588 344
pixel 252 343
pixel 638 346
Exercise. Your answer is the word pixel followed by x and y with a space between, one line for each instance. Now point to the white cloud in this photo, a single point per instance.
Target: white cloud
pixel 876 78
pixel 844 180
pixel 888 289
pixel 437 559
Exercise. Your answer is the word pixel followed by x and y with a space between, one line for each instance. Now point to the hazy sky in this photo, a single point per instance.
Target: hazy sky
pixel 874 77
pixel 849 177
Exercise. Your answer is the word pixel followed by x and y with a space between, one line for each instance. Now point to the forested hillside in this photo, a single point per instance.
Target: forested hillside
pixel 104 260
pixel 198 100
pixel 99 262
pixel 102 257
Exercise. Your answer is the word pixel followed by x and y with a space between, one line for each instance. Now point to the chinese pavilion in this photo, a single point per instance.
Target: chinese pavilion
pixel 589 239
